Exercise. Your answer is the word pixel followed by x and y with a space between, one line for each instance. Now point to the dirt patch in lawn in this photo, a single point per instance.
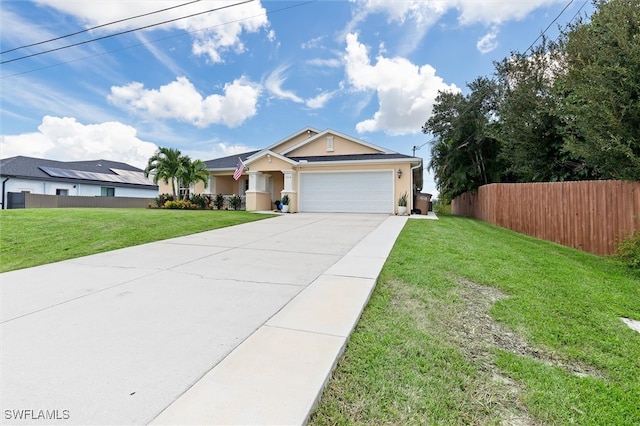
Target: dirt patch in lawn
pixel 477 334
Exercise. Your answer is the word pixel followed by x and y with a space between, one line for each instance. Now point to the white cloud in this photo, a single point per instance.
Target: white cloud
pixel 320 100
pixel 217 149
pixel 36 97
pixel 181 101
pixel 325 63
pixel 425 13
pixel 214 33
pixel 473 11
pixel 406 92
pixel 161 56
pixel 274 82
pixel 313 43
pixel 66 139
pixel 488 43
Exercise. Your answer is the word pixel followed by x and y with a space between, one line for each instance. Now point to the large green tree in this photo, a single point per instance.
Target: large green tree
pixel 165 164
pixel 599 95
pixel 529 126
pixel 465 153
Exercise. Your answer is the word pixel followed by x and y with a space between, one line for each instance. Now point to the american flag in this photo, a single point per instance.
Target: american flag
pixel 239 170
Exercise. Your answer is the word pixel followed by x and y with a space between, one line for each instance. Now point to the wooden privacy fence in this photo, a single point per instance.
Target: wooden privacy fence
pixel 589 215
pixel 34 201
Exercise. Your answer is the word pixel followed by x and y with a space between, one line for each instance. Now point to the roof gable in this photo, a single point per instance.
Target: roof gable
pixel 293 139
pixel 341 145
pixel 270 155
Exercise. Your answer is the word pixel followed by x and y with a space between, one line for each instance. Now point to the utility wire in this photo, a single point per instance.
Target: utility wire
pixel 549 26
pixel 155 40
pixel 98 26
pixel 125 32
pixel 578 12
pixel 469 108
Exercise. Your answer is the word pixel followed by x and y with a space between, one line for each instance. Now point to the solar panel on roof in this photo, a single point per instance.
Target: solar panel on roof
pixel 122 176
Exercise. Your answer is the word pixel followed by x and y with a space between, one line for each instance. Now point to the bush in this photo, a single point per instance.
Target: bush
pixel 199 201
pixel 161 199
pixel 180 204
pixel 234 202
pixel 218 201
pixel 628 250
pixel 441 208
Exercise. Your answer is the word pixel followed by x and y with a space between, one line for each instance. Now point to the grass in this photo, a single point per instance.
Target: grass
pixel 474 324
pixel 469 323
pixel 34 237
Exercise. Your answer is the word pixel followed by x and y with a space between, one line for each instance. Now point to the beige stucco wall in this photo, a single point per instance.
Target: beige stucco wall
pixel 264 165
pixel 292 141
pixel 199 188
pixel 226 185
pixel 258 201
pixel 341 146
pixel 164 188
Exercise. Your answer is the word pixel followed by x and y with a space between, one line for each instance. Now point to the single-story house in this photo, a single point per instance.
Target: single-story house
pixel 320 171
pixel 98 178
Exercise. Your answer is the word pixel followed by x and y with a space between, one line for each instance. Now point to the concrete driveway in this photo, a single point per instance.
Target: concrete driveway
pixel 236 325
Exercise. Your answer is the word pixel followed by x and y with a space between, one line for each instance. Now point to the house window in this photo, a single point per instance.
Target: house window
pixel 107 192
pixel 329 143
pixel 62 191
pixel 181 192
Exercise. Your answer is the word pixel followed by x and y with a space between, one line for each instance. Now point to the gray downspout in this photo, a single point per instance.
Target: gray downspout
pixel 3 193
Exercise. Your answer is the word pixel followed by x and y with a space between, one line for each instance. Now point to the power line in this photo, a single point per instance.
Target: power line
pixel 549 26
pixel 125 32
pixel 155 40
pixel 98 26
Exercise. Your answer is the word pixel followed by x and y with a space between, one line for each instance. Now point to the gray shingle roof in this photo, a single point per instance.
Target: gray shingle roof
pixel 230 162
pixel 29 168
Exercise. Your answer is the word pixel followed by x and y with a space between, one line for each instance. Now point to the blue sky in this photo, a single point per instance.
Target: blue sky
pixel 246 76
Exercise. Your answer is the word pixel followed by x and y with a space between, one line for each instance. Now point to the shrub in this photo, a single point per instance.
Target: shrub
pixel 180 204
pixel 441 208
pixel 234 202
pixel 161 199
pixel 199 201
pixel 218 201
pixel 628 250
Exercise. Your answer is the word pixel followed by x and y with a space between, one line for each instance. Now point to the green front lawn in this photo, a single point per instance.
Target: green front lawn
pixel 469 323
pixel 474 324
pixel 37 236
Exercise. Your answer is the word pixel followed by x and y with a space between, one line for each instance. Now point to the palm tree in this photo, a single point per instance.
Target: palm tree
pixel 192 172
pixel 165 164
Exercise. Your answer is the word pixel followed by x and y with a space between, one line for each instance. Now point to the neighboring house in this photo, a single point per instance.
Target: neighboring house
pixel 320 171
pixel 83 178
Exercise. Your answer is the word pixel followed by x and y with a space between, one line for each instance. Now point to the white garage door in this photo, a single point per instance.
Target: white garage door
pixel 347 192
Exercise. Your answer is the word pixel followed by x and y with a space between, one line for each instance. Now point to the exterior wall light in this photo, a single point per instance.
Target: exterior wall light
pixel 399 173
